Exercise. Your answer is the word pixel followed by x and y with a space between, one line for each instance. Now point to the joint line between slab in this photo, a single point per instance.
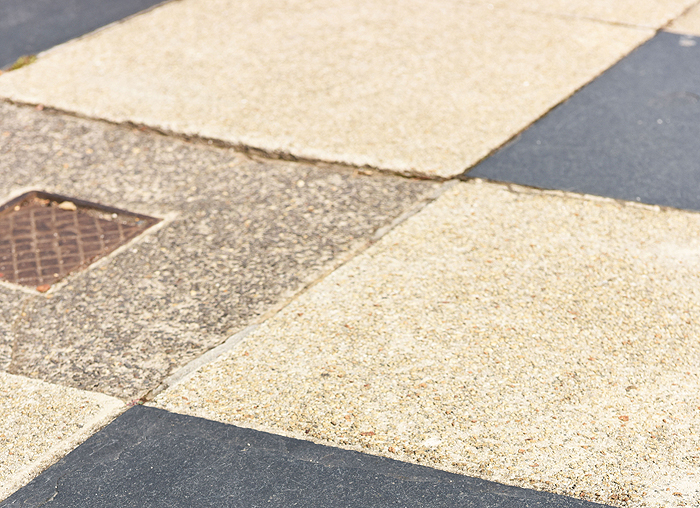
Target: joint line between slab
pixel 184 373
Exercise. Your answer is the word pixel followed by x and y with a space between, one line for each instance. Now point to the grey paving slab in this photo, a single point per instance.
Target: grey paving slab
pixel 238 237
pixel 631 134
pixel 539 339
pixel 30 26
pixel 150 457
pixel 404 85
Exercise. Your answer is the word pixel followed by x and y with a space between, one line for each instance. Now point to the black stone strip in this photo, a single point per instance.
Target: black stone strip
pixel 632 134
pixel 151 458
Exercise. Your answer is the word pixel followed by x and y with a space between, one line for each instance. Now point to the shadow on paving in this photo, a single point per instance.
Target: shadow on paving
pixel 240 236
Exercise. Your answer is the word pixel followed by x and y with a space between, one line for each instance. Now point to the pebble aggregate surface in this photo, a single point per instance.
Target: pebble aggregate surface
pixel 543 340
pixel 411 86
pixel 537 339
pixel 37 417
pixel 239 237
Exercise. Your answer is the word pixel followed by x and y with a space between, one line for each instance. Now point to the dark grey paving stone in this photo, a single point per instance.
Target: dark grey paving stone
pixel 30 26
pixel 245 236
pixel 631 134
pixel 150 457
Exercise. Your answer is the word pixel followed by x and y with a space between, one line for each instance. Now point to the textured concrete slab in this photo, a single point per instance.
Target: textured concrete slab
pixel 529 338
pixel 155 458
pixel 41 422
pixel 10 313
pixel 411 86
pixel 689 23
pixel 30 26
pixel 631 134
pixel 239 237
pixel 647 13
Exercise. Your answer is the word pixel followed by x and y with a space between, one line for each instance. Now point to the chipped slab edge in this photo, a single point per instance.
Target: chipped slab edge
pixel 112 408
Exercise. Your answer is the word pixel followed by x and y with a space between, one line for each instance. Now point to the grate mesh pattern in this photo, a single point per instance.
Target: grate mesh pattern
pixel 41 242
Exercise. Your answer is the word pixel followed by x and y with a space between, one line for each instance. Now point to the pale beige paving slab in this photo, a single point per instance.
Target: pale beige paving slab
pixel 407 85
pixel 531 338
pixel 647 13
pixel 688 24
pixel 41 422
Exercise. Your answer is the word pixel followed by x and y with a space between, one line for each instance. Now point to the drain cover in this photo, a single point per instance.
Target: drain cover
pixel 44 237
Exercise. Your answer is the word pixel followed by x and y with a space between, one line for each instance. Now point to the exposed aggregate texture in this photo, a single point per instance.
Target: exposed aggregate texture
pixel 239 236
pixel 536 339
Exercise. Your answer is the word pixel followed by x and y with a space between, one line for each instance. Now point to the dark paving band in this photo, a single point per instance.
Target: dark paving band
pixel 150 457
pixel 631 134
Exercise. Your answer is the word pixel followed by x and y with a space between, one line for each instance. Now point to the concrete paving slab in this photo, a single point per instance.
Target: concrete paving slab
pixel 30 26
pixel 41 422
pixel 536 339
pixel 149 457
pixel 689 23
pixel 10 313
pixel 647 13
pixel 239 237
pixel 631 134
pixel 410 86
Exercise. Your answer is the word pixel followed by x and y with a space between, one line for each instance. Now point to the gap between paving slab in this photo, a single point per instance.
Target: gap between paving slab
pixel 186 372
pixel 151 457
pixel 41 422
pixel 256 232
pixel 649 14
pixel 403 87
pixel 630 134
pixel 532 339
pixel 688 23
pixel 31 26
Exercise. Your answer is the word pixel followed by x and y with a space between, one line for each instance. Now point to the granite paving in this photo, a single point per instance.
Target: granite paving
pixel 239 237
pixel 631 134
pixel 414 87
pixel 536 339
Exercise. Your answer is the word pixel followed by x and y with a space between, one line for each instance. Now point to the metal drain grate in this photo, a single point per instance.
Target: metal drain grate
pixel 44 237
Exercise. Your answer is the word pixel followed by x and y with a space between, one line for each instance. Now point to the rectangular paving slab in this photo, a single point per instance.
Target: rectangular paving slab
pixel 30 26
pixel 631 134
pixel 238 237
pixel 41 422
pixel 150 457
pixel 410 86
pixel 535 339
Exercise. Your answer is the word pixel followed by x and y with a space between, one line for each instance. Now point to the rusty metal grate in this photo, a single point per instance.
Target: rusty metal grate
pixel 44 237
